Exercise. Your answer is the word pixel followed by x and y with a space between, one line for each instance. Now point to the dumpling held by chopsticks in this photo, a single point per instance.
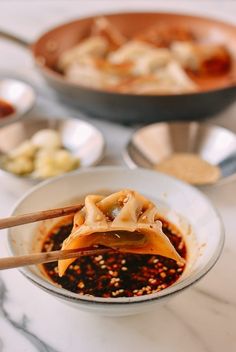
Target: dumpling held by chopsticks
pixel 125 221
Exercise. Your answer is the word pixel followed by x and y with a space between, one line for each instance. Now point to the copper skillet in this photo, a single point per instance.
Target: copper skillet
pixel 213 96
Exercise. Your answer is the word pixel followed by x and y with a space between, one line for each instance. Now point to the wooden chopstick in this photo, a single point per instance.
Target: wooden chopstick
pixel 46 257
pixel 38 216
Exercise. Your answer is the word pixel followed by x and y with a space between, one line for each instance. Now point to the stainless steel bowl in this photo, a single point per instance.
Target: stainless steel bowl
pixel 153 143
pixel 83 140
pixel 20 95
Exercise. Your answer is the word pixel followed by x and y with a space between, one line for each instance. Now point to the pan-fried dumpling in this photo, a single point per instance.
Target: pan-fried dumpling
pixel 125 220
pixel 130 51
pixel 163 36
pixel 203 58
pixel 91 47
pixel 85 73
pixel 175 78
pixel 171 79
pixel 104 28
pixel 153 60
pixel 94 74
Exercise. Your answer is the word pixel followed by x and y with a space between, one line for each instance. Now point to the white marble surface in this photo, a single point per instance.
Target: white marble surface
pixel 201 319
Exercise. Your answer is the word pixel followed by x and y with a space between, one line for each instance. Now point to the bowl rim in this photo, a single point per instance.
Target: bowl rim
pixel 131 164
pixel 91 300
pixel 52 118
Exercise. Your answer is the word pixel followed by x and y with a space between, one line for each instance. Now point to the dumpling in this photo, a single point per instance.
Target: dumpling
pixel 96 46
pixel 85 74
pixel 185 54
pixel 163 36
pixel 171 79
pixel 131 51
pixel 125 220
pixel 104 28
pixel 151 61
pixel 175 78
pixel 94 74
pixel 203 58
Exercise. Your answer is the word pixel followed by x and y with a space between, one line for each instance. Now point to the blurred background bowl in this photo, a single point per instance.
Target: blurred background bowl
pixel 153 143
pixel 20 95
pixel 81 138
pixel 132 108
pixel 137 107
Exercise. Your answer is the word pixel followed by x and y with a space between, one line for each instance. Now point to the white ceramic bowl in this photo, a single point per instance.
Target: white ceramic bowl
pixel 184 205
pixel 151 144
pixel 82 139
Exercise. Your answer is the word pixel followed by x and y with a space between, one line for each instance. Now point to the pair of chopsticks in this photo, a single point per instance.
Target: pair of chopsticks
pixel 45 257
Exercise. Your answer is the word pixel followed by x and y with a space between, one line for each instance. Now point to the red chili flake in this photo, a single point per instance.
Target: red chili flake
pixel 116 274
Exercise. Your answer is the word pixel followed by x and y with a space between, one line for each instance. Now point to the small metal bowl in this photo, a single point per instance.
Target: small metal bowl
pixel 20 95
pixel 153 143
pixel 81 138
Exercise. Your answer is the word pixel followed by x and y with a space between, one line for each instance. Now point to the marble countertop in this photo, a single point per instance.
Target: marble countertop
pixel 202 318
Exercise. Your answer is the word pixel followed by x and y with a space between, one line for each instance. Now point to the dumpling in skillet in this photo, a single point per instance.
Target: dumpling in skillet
pixel 170 79
pixel 202 58
pixel 130 51
pixel 104 28
pixel 125 220
pixel 92 47
pixel 153 60
pixel 95 73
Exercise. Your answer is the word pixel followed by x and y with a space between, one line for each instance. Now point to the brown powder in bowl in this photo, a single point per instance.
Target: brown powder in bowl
pixel 190 168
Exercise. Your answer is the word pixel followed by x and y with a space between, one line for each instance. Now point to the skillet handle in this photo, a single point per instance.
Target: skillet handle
pixel 12 37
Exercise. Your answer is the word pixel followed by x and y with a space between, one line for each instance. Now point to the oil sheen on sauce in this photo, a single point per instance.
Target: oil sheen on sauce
pixel 115 274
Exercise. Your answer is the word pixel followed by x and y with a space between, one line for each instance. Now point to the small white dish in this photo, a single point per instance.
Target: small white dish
pixel 151 144
pixel 20 95
pixel 81 138
pixel 182 204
